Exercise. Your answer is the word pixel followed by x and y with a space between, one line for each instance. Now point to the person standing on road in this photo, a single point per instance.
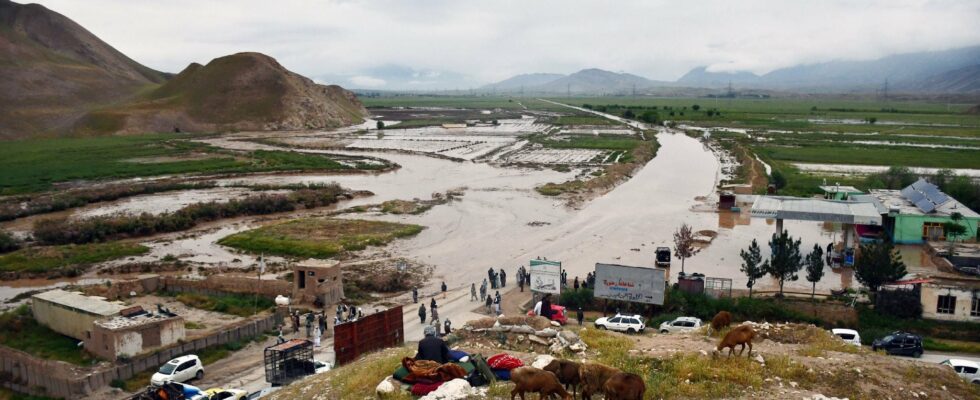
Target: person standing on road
pixel 489 302
pixel 322 323
pixel 580 316
pixel 309 324
pixel 415 295
pixel 520 281
pixel 503 278
pixel 422 313
pixel 444 288
pixel 575 283
pixel 496 302
pixel 448 327
pixel 490 274
pixel 483 290
pixel 316 336
pixel 473 291
pixel 280 338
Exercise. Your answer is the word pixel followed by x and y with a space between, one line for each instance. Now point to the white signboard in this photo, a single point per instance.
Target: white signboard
pixel 546 276
pixel 625 283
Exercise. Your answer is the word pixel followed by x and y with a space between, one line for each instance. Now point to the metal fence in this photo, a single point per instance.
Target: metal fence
pixel 718 287
pixel 373 332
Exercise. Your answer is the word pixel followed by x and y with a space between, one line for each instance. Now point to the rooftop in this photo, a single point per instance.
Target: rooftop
pixel 840 189
pixel 887 199
pixel 811 209
pixel 77 301
pixel 116 323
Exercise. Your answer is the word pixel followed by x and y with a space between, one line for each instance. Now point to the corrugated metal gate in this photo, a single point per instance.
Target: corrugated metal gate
pixel 373 332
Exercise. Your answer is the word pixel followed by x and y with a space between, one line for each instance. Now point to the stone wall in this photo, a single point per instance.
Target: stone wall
pixel 220 284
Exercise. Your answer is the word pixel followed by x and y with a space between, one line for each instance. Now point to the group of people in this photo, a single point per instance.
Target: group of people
pixel 316 325
pixel 347 314
pixel 497 279
pixel 434 321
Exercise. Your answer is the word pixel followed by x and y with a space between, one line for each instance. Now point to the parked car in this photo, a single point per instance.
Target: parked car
pixel 622 323
pixel 225 394
pixel 172 391
pixel 966 369
pixel 321 367
pixel 899 343
pixel 557 314
pixel 180 369
pixel 680 324
pixel 848 335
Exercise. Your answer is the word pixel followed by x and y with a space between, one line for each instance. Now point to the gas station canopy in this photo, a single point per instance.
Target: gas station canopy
pixel 813 209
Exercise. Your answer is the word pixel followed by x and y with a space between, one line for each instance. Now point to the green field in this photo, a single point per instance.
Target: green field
pixel 319 237
pixel 871 155
pixel 43 259
pixel 34 165
pixel 583 120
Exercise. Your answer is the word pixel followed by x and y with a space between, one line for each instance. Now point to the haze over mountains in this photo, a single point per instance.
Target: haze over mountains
pixel 59 78
pixel 950 71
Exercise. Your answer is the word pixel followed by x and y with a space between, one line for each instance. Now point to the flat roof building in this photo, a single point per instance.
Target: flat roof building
pixel 70 313
pixel 919 212
pixel 127 336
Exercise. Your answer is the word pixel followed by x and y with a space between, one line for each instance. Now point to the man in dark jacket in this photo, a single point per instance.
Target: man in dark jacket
pixel 422 313
pixel 415 295
pixel 432 348
pixel 580 316
pixel 546 306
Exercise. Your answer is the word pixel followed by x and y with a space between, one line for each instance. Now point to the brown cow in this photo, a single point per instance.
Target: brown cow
pixel 740 335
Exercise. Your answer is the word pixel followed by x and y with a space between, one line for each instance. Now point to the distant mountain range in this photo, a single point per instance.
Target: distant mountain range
pixel 949 71
pixel 58 78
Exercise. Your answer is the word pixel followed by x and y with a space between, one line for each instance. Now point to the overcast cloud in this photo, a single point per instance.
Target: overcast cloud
pixel 381 44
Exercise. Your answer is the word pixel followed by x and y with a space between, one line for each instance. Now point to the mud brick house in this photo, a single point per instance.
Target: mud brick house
pixel 317 280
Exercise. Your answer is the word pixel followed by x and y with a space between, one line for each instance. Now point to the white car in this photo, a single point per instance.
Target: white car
pixel 622 323
pixel 848 335
pixel 320 367
pixel 680 324
pixel 225 394
pixel 180 369
pixel 966 369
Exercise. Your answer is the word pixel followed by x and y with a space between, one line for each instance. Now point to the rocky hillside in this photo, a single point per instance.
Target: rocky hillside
pixel 54 70
pixel 244 91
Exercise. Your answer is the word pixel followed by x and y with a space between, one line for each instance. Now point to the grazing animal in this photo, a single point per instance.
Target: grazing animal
pixel 593 377
pixel 740 335
pixel 721 320
pixel 530 379
pixel 567 373
pixel 625 386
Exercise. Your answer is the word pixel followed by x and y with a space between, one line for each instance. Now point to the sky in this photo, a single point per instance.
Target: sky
pixel 459 44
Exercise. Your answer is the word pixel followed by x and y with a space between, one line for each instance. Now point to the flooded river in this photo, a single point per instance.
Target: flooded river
pixel 502 222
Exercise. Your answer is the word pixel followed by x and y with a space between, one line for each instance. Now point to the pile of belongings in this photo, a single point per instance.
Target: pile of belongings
pixel 425 376
pixel 501 365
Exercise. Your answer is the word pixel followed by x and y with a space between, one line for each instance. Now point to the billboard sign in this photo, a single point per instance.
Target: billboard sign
pixel 625 283
pixel 546 276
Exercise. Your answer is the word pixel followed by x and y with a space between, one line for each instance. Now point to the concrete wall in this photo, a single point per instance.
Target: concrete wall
pixel 24 373
pixel 324 282
pixel 908 228
pixel 964 302
pixel 73 323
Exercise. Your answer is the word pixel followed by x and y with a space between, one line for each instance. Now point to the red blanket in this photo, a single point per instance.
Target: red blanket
pixel 431 371
pixel 422 389
pixel 504 361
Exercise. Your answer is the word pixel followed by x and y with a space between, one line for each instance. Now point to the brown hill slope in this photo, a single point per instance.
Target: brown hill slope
pixel 54 70
pixel 244 91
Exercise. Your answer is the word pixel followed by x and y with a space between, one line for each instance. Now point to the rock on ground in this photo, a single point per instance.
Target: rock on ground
pixel 542 361
pixel 456 389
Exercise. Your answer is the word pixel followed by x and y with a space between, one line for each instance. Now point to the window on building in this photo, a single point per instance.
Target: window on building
pixel 946 304
pixel 975 307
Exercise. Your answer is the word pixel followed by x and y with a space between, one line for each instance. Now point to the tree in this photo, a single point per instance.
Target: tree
pixel 785 260
pixel 777 179
pixel 878 263
pixel 684 244
pixel 751 267
pixel 814 268
pixel 628 113
pixel 696 107
pixel 381 125
pixel 954 229
pixel 872 120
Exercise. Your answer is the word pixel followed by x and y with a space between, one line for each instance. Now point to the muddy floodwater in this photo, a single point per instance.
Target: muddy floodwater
pixel 502 222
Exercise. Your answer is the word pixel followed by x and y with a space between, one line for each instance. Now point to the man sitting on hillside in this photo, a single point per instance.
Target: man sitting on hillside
pixel 432 347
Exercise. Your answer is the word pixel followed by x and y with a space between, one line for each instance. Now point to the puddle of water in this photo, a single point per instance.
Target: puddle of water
pixel 848 169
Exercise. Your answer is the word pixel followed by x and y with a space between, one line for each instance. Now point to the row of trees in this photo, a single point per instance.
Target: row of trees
pixel 879 263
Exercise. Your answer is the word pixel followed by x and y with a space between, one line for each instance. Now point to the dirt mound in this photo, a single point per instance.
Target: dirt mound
pixel 244 91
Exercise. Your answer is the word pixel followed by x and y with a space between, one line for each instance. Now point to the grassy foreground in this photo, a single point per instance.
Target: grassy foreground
pixel 42 259
pixel 319 237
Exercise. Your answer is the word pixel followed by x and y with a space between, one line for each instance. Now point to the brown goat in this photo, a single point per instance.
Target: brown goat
pixel 530 379
pixel 625 386
pixel 740 335
pixel 567 373
pixel 721 320
pixel 593 377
